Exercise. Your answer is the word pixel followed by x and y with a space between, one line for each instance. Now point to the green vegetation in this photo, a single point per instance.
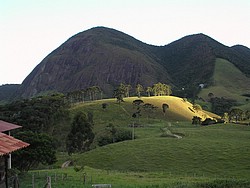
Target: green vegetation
pixel 136 141
pixel 210 156
pixel 42 150
pixel 158 147
pixel 71 179
pixel 81 135
pixel 205 151
pixel 229 82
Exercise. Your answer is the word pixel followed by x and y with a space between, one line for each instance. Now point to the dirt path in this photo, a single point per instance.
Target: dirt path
pixel 66 164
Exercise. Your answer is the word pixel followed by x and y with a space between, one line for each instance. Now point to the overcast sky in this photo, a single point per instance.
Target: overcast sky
pixel 31 29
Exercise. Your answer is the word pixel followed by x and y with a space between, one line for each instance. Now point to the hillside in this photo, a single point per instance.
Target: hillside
pixel 121 115
pixel 99 56
pixel 106 57
pixel 190 60
pixel 203 152
pixel 179 110
pixel 228 82
pixel 7 92
pixel 217 147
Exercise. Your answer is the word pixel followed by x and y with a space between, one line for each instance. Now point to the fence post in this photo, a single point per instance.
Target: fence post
pixel 48 182
pixel 84 179
pixel 33 180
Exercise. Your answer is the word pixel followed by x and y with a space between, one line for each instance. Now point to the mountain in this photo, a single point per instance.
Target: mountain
pixel 106 57
pixel 99 56
pixel 8 91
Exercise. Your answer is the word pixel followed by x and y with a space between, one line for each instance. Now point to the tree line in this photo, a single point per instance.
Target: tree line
pixel 90 93
pixel 158 89
pixel 121 91
pixel 40 118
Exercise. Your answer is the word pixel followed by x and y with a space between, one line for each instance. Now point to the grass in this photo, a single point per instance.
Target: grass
pixel 205 156
pixel 219 150
pixel 69 178
pixel 210 156
pixel 229 82
pixel 122 114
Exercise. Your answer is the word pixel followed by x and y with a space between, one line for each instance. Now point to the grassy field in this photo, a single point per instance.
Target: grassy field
pixel 205 156
pixel 69 178
pixel 218 150
pixel 179 110
pixel 120 115
pixel 210 156
pixel 229 82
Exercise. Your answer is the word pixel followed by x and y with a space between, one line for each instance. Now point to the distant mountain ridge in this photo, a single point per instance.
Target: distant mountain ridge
pixel 106 57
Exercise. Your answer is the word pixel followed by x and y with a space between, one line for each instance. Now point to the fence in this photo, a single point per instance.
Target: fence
pixel 43 179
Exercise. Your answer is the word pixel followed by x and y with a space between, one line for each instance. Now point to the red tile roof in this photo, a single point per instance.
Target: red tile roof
pixel 9 144
pixel 5 126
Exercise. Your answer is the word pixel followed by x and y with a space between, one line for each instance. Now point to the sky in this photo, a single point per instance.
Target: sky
pixel 31 29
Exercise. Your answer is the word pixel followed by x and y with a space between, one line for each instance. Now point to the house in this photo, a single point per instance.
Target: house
pixel 8 144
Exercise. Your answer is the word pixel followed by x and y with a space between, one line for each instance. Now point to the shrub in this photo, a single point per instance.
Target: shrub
pixel 121 135
pixel 208 121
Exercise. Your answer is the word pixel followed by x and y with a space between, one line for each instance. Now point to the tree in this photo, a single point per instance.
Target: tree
pixel 138 102
pixel 104 106
pixel 164 108
pixel 118 136
pixel 127 89
pixel 160 89
pixel 41 150
pixel 196 120
pixel 225 117
pixel 81 135
pixel 113 131
pixel 93 91
pixel 120 92
pixel 210 95
pixel 39 114
pixel 236 114
pixel 208 121
pixel 197 107
pixel 221 105
pixel 149 90
pixel 247 115
pixel 139 89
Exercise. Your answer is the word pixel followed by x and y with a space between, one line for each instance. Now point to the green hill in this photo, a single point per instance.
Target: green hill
pixel 212 151
pixel 228 82
pixel 204 151
pixel 201 151
pixel 179 110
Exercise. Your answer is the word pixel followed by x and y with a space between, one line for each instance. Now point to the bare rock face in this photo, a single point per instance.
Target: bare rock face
pixel 99 56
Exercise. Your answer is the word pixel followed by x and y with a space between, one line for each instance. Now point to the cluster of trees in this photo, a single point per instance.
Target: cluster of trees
pixel 91 93
pixel 196 120
pixel 147 107
pixel 123 90
pixel 159 89
pixel 236 114
pixel 37 114
pixel 81 134
pixel 224 108
pixel 113 134
pixel 220 104
pixel 42 150
pixel 38 117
